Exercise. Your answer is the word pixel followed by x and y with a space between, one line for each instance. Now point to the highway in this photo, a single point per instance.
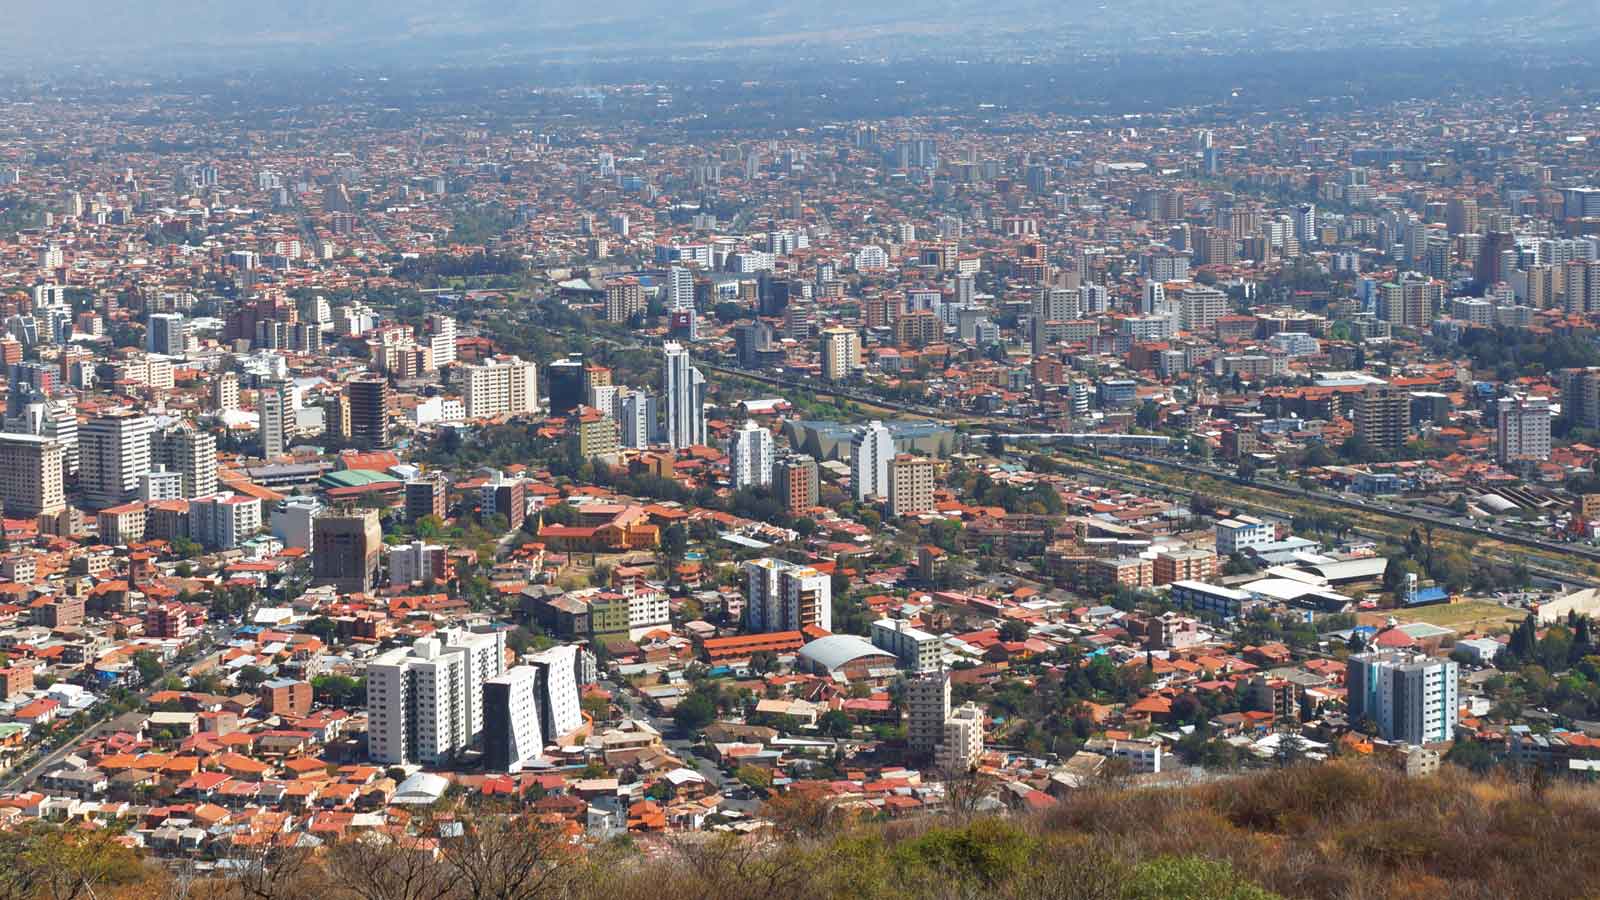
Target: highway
pixel 1534 564
pixel 1003 427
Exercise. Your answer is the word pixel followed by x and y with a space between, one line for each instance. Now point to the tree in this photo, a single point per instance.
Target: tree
pixel 339 691
pixel 964 791
pixel 675 541
pixel 754 777
pixel 324 628
pixel 508 857
pixel 379 866
pixel 266 870
pixel 1013 631
pixel 695 712
pixel 250 677
pixel 148 666
pixel 834 723
pixel 802 814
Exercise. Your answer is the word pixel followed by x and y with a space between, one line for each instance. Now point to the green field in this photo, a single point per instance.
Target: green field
pixel 1466 616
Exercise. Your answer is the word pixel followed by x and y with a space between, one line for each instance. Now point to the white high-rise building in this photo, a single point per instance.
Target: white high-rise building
pixel 1522 429
pixel 783 596
pixel 275 413
pixel 416 562
pixel 962 741
pixel 224 521
pixel 225 392
pixel 636 414
pixel 1200 307
pixel 680 289
pixel 31 475
pixel 425 703
pixel 871 451
pixel 442 343
pixel 1055 304
pixel 292 519
pixel 193 454
pixel 927 702
pixel 560 709
pixel 1412 698
pixel 160 484
pixel 512 720
pixel 685 388
pixel 414 714
pixel 504 385
pixel 750 456
pixel 841 352
pixel 114 450
pixel 166 334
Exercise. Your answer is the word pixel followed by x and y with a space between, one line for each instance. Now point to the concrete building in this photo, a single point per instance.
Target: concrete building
pixel 416 562
pixel 750 456
pixel 191 453
pixel 1241 533
pixel 159 484
pixel 636 414
pixel 1522 429
pixel 841 352
pixel 113 451
pixel 962 742
pixel 596 433
pixel 685 390
pixel 425 703
pixel 224 521
pixel 512 716
pixel 910 485
pixel 1184 565
pixel 225 392
pixel 346 550
pixel 442 340
pixel 368 399
pixel 166 334
pixel 870 453
pixel 927 701
pixel 32 475
pixel 783 596
pixel 502 386
pixel 1411 697
pixel 1382 418
pixel 560 710
pixel 292 521
pixel 918 650
pixel 794 482
pixel 275 413
pixel 1200 307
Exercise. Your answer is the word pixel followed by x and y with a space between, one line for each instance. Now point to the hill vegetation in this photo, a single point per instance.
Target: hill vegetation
pixel 1339 830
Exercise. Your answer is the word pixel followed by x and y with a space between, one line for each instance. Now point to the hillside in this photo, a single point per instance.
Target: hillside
pixel 1340 830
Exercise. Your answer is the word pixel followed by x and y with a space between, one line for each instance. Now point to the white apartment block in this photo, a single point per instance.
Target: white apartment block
pixel 783 596
pixel 501 386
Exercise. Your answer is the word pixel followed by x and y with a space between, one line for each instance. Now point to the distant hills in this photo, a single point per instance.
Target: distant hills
pixel 163 33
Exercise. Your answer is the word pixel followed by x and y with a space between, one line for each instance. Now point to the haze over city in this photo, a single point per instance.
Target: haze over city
pixel 1006 449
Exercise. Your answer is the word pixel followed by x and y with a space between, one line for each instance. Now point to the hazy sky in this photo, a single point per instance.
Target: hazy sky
pixel 162 31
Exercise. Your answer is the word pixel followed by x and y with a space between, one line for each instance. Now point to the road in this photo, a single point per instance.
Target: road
pixel 682 747
pixel 1386 510
pixel 1535 567
pixel 1547 568
pixel 52 759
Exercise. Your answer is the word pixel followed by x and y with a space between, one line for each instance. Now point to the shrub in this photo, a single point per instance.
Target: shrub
pixel 1189 878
